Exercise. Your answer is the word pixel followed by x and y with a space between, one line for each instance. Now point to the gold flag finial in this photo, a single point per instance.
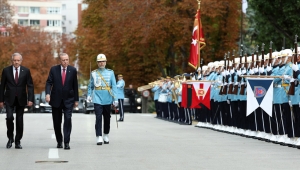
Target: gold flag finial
pixel 199 2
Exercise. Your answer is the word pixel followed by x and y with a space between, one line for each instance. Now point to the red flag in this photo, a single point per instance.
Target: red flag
pixel 198 41
pixel 183 96
pixel 195 93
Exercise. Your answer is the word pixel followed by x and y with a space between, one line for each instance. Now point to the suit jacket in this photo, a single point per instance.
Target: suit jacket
pixel 9 88
pixel 68 93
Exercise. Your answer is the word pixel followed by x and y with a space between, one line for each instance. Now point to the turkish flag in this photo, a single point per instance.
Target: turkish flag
pixel 198 41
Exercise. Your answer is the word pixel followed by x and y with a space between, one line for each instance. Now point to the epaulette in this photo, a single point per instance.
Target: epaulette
pixel 94 70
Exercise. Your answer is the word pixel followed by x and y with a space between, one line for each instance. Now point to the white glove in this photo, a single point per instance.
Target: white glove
pixel 295 67
pixel 238 72
pixel 89 99
pixel 236 83
pixel 287 77
pixel 225 84
pixel 228 101
pixel 269 68
pixel 231 71
pixel 227 72
pixel 116 103
pixel 292 80
pixel 223 74
pixel 255 70
pixel 290 103
pixel 244 71
pixel 251 72
pixel 261 70
pixel 242 83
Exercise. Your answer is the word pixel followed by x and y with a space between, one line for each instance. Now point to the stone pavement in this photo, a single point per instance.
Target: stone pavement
pixel 140 142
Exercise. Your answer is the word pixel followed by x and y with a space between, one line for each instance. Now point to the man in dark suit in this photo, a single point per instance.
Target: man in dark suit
pixel 62 94
pixel 16 82
pixel 131 95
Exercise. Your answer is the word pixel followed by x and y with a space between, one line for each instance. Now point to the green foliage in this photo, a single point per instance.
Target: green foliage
pixel 273 20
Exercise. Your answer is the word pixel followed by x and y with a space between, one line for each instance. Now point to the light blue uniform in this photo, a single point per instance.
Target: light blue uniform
pixel 120 89
pixel 102 97
pixel 156 90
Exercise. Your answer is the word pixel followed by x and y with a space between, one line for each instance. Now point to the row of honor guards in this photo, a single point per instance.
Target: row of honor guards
pixel 228 98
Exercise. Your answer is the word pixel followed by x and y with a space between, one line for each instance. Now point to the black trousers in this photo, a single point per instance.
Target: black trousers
pixel 157 109
pixel 57 120
pixel 296 111
pixel 234 111
pixel 99 111
pixel 121 109
pixel 19 121
pixel 132 105
pixel 242 123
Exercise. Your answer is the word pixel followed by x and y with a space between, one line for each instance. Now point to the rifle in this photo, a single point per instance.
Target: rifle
pixel 226 77
pixel 262 54
pixel 221 89
pixel 252 63
pixel 294 61
pixel 232 76
pixel 243 86
pixel 257 58
pixel 235 91
pixel 270 53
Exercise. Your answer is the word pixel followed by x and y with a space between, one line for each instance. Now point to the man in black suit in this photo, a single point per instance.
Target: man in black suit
pixel 131 95
pixel 16 82
pixel 62 94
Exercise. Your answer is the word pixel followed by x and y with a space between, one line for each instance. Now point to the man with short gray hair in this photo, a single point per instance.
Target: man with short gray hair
pixel 16 91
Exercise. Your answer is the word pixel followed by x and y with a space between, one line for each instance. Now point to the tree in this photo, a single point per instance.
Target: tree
pixel 275 21
pixel 144 40
pixel 37 49
pixel 5 13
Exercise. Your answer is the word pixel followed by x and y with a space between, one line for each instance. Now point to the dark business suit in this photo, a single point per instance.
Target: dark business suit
pixel 62 97
pixel 15 95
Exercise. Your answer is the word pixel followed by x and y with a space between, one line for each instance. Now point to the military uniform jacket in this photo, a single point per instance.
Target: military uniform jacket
pixel 102 96
pixel 120 89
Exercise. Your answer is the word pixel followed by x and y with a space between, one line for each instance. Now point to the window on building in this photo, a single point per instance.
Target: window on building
pixel 64 17
pixel 64 29
pixel 35 10
pixel 70 22
pixel 64 6
pixel 53 23
pixel 23 22
pixel 34 22
pixel 53 10
pixel 23 9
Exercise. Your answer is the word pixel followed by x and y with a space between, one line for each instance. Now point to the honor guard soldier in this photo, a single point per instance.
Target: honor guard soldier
pixel 120 95
pixel 103 90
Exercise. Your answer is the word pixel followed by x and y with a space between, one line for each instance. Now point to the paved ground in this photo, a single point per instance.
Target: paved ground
pixel 141 142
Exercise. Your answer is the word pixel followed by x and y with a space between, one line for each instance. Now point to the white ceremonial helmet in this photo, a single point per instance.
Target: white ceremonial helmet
pixel 204 68
pixel 101 57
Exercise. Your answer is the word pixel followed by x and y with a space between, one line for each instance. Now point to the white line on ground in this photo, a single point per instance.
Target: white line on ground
pixel 53 153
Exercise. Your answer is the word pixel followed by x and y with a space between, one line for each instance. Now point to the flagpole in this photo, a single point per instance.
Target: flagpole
pixel 199 2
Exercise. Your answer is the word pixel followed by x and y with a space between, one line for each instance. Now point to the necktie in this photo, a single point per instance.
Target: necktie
pixel 63 76
pixel 16 76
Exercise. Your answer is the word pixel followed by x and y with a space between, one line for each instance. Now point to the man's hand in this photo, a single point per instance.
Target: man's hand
pixel 116 103
pixel 75 104
pixel 47 98
pixel 29 103
pixel 1 104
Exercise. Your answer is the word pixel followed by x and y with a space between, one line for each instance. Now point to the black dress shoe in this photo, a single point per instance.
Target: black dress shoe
pixel 120 120
pixel 59 145
pixel 18 146
pixel 9 143
pixel 67 146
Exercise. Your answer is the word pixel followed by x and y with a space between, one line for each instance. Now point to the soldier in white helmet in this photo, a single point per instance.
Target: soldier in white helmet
pixel 102 89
